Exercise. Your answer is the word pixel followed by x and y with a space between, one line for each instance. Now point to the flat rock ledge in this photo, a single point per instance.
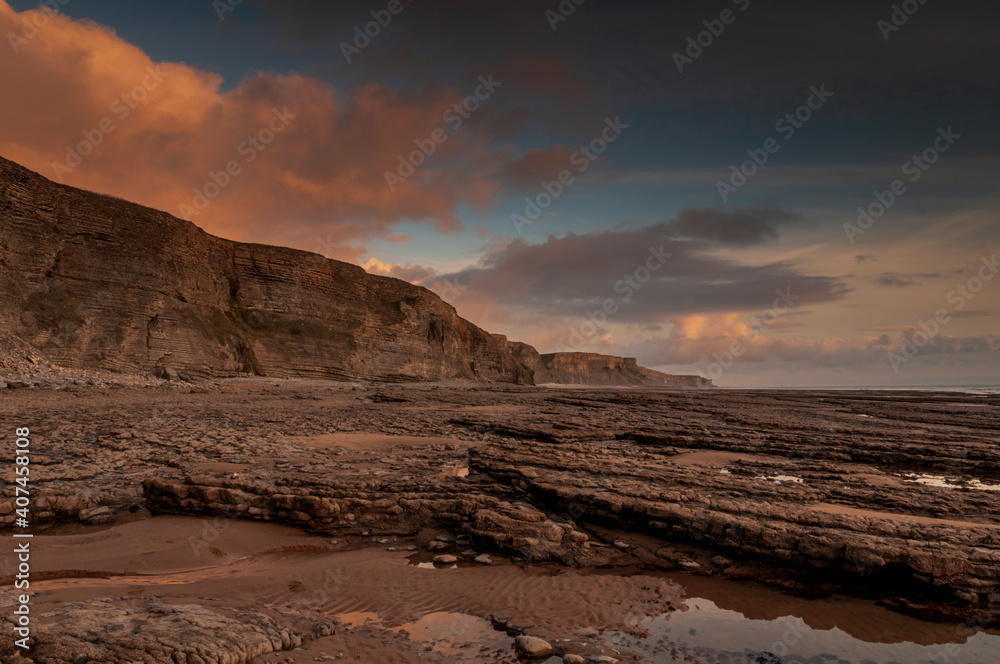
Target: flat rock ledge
pixel 111 631
pixel 491 522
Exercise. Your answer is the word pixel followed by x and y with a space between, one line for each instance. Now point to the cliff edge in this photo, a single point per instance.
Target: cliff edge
pixel 596 369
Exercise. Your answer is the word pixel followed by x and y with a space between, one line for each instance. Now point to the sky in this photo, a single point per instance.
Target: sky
pixel 764 193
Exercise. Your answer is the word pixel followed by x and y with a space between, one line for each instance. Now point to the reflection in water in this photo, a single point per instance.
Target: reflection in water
pixel 64 528
pixel 778 479
pixel 950 482
pixel 706 633
pixel 454 634
pixel 453 630
pixel 768 627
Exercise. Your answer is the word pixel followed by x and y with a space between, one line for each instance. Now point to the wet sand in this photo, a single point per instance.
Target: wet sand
pixel 232 566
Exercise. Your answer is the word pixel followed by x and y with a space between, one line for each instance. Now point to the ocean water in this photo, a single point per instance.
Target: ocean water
pixel 986 390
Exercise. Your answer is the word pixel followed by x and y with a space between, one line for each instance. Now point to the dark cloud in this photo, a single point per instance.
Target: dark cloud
pixel 651 273
pixel 895 279
pixel 891 279
pixel 452 42
pixel 950 345
pixel 939 65
pixel 745 226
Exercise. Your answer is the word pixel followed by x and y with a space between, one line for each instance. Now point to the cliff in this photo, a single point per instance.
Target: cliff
pixel 595 369
pixel 95 282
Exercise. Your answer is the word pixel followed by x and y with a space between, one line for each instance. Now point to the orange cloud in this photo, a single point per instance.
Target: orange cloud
pixel 305 167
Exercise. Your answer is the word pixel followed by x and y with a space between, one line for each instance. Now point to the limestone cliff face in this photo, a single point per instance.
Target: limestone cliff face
pixel 596 369
pixel 97 282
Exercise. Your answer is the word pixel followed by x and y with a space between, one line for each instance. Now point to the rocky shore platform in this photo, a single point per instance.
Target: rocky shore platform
pixel 891 498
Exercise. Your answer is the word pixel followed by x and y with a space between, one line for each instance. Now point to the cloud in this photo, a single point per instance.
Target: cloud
pixel 159 133
pixel 703 340
pixel 891 279
pixel 536 166
pixel 895 279
pixel 755 224
pixel 651 274
pixel 415 274
pixel 625 51
pixel 437 42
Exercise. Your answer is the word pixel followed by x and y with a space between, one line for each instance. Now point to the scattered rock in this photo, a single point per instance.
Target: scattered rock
pixel 763 658
pixel 168 373
pixel 500 622
pixel 721 562
pixel 97 515
pixel 533 647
